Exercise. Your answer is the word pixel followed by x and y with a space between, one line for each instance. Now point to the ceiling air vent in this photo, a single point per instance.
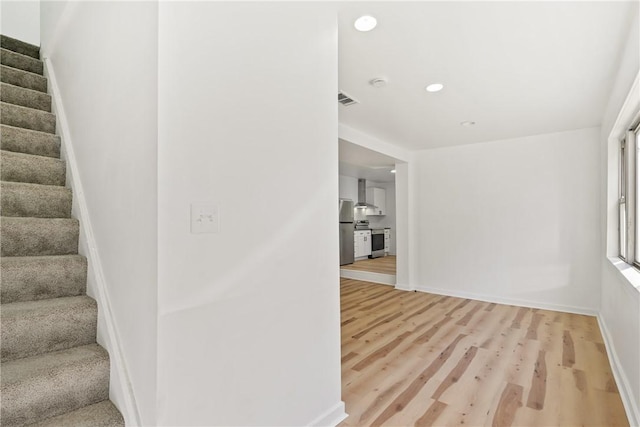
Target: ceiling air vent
pixel 345 99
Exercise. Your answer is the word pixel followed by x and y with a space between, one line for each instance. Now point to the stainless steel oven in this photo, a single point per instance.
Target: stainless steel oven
pixel 377 243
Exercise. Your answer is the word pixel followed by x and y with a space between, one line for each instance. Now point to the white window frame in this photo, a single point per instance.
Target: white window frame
pixel 627 200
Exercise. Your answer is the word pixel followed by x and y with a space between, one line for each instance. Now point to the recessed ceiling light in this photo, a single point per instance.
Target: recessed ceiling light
pixel 392 171
pixel 467 124
pixel 365 23
pixel 434 87
pixel 378 82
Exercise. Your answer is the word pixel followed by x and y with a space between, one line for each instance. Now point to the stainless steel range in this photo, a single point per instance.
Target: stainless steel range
pixel 377 243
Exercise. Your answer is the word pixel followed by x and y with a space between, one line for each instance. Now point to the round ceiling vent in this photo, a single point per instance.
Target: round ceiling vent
pixel 378 82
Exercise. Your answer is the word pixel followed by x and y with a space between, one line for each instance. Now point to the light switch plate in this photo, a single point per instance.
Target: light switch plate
pixel 205 218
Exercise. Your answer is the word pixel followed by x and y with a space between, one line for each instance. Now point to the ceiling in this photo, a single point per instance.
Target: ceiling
pixel 514 68
pixel 360 162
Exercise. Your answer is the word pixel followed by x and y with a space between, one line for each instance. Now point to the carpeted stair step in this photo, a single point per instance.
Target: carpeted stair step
pixel 25 97
pixel 27 118
pixel 19 167
pixel 30 328
pixel 50 384
pixel 27 141
pixel 23 78
pixel 19 46
pixel 41 277
pixel 34 200
pixel 102 414
pixel 38 236
pixel 21 62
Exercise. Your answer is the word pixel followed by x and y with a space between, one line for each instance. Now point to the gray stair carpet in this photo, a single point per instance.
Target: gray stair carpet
pixel 53 372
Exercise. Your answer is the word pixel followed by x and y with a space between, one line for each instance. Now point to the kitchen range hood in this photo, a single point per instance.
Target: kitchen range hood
pixel 362 196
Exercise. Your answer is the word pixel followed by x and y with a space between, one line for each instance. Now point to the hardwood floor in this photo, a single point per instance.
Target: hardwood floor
pixel 418 359
pixel 384 265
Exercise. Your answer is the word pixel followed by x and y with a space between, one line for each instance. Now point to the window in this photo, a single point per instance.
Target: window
pixel 628 195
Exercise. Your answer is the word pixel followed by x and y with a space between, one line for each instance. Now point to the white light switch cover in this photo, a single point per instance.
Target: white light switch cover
pixel 205 218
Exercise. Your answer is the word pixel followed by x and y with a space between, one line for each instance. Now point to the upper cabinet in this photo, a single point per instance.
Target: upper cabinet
pixel 376 197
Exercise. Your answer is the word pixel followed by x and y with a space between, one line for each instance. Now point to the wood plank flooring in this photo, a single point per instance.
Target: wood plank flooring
pixel 384 265
pixel 418 359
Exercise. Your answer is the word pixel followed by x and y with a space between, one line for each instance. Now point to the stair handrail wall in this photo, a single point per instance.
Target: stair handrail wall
pixel 96 281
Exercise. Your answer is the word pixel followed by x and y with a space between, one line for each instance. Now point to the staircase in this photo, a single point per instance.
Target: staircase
pixel 52 371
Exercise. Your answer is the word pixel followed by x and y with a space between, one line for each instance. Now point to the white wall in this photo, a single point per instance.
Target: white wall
pixel 249 328
pixel 104 57
pixel 620 307
pixel 513 221
pixel 21 20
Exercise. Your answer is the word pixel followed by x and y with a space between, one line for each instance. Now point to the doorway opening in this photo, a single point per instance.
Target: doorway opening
pixel 367 185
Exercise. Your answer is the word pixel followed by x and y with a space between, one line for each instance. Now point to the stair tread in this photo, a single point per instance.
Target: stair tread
pixel 38 387
pixel 31 185
pixel 40 307
pixel 41 326
pixel 30 278
pixel 19 46
pixel 32 168
pixel 30 156
pixel 20 199
pixel 23 78
pixel 29 141
pixel 19 370
pixel 18 60
pixel 28 109
pixel 102 414
pixel 26 236
pixel 27 118
pixel 25 97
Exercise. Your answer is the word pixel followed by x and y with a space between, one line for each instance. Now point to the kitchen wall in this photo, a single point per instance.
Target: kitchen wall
pixel 620 306
pixel 249 330
pixel 104 57
pixel 349 190
pixel 21 20
pixel 512 221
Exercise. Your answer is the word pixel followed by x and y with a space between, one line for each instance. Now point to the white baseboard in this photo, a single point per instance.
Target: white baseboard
pixel 507 301
pixel 631 405
pixel 121 389
pixel 332 417
pixel 368 276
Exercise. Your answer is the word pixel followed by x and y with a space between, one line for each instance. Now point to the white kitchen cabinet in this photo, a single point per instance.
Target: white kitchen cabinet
pixel 387 240
pixel 362 243
pixel 377 197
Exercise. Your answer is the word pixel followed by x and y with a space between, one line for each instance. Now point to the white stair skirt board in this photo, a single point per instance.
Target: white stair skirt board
pixel 631 406
pixel 121 388
pixel 368 276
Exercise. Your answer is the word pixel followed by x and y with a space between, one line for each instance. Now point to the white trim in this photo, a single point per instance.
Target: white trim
pixel 508 301
pixel 368 276
pixel 123 397
pixel 332 417
pixel 628 111
pixel 624 387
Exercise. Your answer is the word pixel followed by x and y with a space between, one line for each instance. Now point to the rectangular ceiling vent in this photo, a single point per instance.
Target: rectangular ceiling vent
pixel 345 99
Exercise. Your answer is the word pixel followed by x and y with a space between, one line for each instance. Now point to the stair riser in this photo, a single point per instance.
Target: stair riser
pixel 29 142
pixel 31 169
pixel 23 79
pixel 19 47
pixel 25 97
pixel 28 118
pixel 42 332
pixel 59 392
pixel 38 278
pixel 29 200
pixel 21 62
pixel 103 414
pixel 36 237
